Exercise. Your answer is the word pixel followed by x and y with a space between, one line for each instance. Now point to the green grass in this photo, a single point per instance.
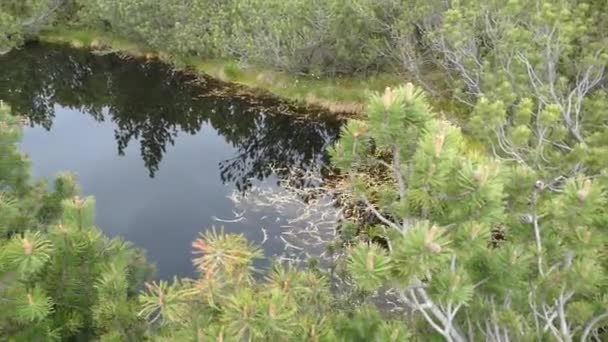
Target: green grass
pixel 341 95
pixel 96 40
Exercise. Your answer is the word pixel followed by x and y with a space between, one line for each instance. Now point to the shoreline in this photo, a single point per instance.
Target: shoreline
pixel 343 96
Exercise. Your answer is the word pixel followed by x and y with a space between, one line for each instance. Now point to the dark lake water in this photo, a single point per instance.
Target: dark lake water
pixel 160 151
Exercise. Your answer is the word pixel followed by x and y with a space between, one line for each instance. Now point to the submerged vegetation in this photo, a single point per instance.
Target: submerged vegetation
pixel 504 243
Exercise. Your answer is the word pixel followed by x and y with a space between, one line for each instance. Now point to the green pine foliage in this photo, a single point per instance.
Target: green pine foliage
pixel 492 229
pixel 60 278
pixel 290 35
pixel 227 303
pixel 481 249
pixel 23 19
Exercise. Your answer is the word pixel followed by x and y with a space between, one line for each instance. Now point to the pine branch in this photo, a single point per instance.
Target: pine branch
pixel 591 325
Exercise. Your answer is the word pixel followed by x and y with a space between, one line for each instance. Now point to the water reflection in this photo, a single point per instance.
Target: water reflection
pixel 151 103
pixel 159 150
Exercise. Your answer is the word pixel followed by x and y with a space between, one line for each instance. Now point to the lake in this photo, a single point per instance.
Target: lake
pixel 163 152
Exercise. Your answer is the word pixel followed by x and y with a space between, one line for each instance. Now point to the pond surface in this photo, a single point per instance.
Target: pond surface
pixel 159 150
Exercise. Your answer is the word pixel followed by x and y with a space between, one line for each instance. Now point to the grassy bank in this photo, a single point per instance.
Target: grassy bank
pixel 341 95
